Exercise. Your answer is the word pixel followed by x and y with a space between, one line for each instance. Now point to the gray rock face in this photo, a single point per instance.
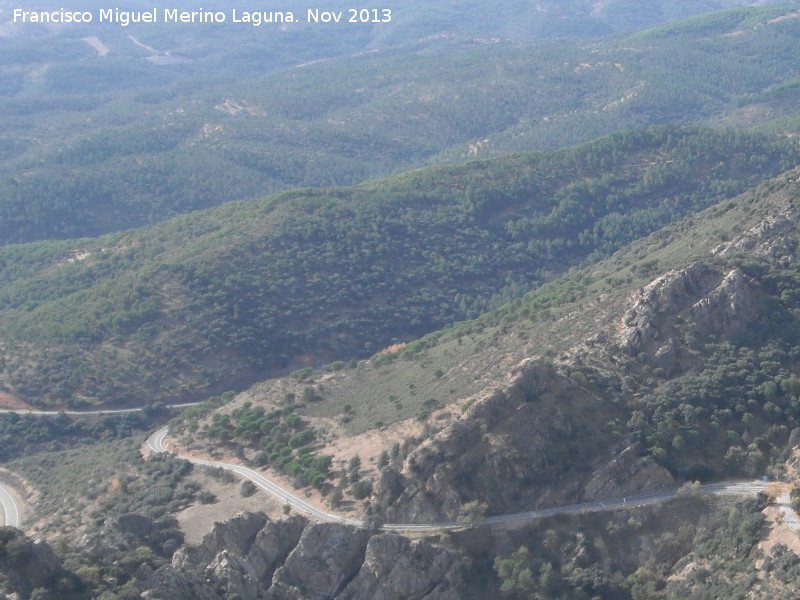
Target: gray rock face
pixel 699 299
pixel 379 579
pixel 327 558
pixel 771 238
pixel 171 584
pixel 527 446
pixel 252 557
pixel 236 535
pixel 666 357
pixel 242 554
pixel 731 304
pixel 671 293
pixel 628 474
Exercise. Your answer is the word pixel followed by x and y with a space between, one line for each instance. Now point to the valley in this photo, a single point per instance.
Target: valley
pixel 563 369
pixel 215 300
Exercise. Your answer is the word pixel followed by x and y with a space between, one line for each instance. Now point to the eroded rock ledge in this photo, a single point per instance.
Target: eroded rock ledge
pixel 542 441
pixel 253 557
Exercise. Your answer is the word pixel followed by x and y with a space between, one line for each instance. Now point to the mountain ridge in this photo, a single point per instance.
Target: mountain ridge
pixel 213 278
pixel 146 155
pixel 601 391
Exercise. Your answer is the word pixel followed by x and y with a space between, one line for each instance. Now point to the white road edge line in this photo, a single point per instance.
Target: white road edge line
pixel 10 509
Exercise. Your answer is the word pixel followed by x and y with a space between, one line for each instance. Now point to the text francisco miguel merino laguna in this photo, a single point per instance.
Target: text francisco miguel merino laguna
pixel 174 15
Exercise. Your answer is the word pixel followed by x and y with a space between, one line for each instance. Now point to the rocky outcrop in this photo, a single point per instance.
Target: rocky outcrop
pixel 379 579
pixel 628 474
pixel 327 558
pixel 530 445
pixel 699 299
pixel 253 557
pixel 242 554
pixel 728 306
pixel 171 584
pixel 544 439
pixel 672 293
pixel 770 238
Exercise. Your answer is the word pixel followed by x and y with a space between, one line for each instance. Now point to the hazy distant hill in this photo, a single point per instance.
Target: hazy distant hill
pixel 673 359
pixel 119 142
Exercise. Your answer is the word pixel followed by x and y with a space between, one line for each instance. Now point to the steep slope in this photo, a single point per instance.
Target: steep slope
pixel 221 298
pixel 674 359
pixel 650 553
pixel 693 370
pixel 582 389
pixel 255 557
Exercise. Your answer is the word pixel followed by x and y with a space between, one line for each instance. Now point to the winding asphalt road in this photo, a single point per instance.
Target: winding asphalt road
pixel 9 506
pixel 156 444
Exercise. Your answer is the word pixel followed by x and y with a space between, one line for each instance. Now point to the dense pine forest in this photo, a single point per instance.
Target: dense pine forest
pixel 215 299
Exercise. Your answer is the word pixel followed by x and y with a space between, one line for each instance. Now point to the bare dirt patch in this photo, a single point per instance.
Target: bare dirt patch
pixel 368 445
pixel 197 520
pixel 12 402
pixel 793 15
pixel 779 533
pixel 235 107
pixel 781 519
pixel 97 44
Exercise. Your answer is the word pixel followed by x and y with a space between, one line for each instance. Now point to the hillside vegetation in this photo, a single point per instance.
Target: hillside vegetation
pixel 673 360
pixel 494 336
pixel 688 342
pixel 217 299
pixel 106 154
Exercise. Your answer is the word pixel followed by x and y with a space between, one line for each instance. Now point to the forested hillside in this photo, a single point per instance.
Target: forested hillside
pixel 675 359
pixel 410 323
pixel 224 297
pixel 106 154
pixel 580 401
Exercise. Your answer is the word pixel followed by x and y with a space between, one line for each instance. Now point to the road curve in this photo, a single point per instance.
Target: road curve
pixel 156 444
pixel 10 509
pixel 9 506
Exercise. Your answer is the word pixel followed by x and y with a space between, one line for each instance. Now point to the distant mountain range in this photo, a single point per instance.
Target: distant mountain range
pixel 93 144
